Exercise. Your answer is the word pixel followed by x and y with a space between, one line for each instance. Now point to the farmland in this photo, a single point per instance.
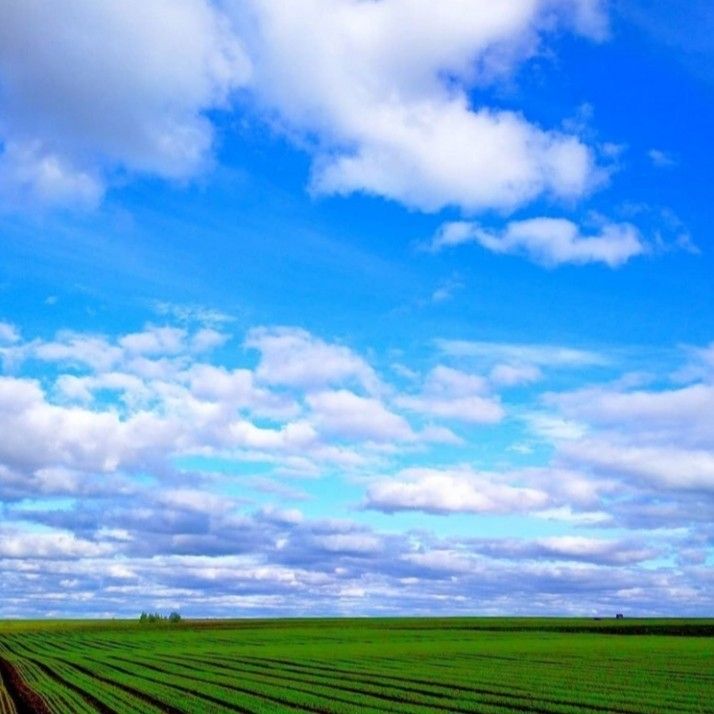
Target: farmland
pixel 488 666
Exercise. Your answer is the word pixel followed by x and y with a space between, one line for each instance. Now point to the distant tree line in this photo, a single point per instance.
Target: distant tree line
pixel 150 618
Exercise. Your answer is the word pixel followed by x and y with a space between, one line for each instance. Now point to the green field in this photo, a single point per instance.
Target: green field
pixel 360 665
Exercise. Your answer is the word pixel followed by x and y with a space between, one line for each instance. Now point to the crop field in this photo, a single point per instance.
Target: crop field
pixel 490 666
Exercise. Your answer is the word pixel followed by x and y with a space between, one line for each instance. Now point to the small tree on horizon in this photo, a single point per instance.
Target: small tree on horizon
pixel 154 617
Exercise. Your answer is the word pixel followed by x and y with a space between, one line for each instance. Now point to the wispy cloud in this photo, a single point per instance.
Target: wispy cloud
pixel 548 241
pixel 555 356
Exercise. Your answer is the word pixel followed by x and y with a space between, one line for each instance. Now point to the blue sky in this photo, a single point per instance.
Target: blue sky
pixel 356 307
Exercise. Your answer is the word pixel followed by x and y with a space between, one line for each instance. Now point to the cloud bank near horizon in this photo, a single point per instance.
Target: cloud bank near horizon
pixel 176 466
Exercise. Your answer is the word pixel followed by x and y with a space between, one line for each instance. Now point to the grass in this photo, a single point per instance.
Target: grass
pixel 484 665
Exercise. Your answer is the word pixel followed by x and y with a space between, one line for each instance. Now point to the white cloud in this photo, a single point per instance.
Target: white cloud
pixel 358 543
pixel 452 394
pixel 451 491
pixel 548 241
pixel 89 88
pixel 155 341
pixel 133 391
pixel 191 499
pixel 565 514
pixel 678 416
pixel 156 351
pixel 509 375
pixel 363 85
pixel 522 353
pixel 577 545
pixel 446 291
pixel 294 357
pixel 569 548
pixel 661 159
pixel 345 414
pixel 416 155
pixel 282 515
pixel 237 389
pixel 9 334
pixel 290 437
pixel 118 404
pixel 446 380
pixel 30 174
pixel 625 457
pixel 21 544
pixel 207 339
pixel 664 466
pixel 366 81
pixel 655 446
pixel 547 492
pixel 700 365
pixel 77 348
pixel 439 435
pixel 555 427
pixel 192 313
pixel 38 434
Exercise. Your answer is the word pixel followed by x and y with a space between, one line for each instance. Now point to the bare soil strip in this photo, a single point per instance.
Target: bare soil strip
pixel 25 700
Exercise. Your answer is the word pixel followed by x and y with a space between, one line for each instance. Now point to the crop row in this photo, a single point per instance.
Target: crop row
pixel 307 687
pixel 264 668
pixel 6 705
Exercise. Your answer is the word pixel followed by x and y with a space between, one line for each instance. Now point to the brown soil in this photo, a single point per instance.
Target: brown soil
pixel 26 700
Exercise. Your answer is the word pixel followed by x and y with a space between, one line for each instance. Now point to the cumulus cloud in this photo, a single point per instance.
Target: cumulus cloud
pixel 654 446
pixel 451 491
pixel 239 389
pixel 88 89
pixel 549 492
pixel 680 415
pixel 31 175
pixel 40 434
pixel 665 465
pixel 548 241
pixel 122 455
pixel 184 553
pixel 350 416
pixel 379 93
pixel 191 499
pixel 15 543
pixel 663 438
pixel 294 357
pixel 121 405
pixel 384 116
